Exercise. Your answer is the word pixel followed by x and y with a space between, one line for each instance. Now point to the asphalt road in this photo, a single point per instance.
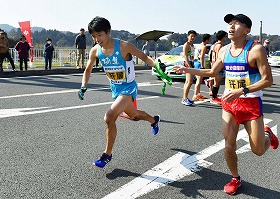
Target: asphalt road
pixel 49 139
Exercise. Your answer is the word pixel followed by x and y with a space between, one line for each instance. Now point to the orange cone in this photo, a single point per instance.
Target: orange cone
pixel 135 104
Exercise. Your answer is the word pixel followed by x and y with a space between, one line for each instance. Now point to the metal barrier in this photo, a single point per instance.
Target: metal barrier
pixel 61 57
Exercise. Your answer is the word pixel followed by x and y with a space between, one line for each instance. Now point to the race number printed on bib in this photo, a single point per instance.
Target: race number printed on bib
pixel 236 80
pixel 116 74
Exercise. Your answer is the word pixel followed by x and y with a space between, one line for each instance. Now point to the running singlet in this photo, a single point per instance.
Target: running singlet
pixel 118 70
pixel 197 58
pixel 191 53
pixel 214 53
pixel 238 72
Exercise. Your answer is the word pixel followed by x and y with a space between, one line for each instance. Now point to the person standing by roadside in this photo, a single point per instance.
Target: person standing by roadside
pixel 199 62
pixel 4 51
pixel 146 49
pixel 247 72
pixel 188 54
pixel 266 46
pixel 48 49
pixel 221 36
pixel 97 60
pixel 80 43
pixel 23 52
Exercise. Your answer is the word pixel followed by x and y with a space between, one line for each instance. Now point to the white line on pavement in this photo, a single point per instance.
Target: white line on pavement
pixel 31 111
pixel 173 169
pixel 143 84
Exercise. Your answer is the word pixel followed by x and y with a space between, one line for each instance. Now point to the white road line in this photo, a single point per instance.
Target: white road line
pixel 247 147
pixel 143 84
pixel 4 113
pixel 50 93
pixel 173 169
pixel 275 72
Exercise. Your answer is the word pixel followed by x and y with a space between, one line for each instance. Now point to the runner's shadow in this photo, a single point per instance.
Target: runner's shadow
pixel 208 180
pixel 215 181
pixel 117 173
pixel 183 151
pixel 270 108
pixel 171 122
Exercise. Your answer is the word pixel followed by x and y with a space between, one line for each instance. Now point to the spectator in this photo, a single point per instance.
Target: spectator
pixel 199 62
pixel 4 51
pixel 80 43
pixel 48 50
pixel 266 46
pixel 23 52
pixel 146 49
pixel 188 54
pixel 97 59
pixel 221 36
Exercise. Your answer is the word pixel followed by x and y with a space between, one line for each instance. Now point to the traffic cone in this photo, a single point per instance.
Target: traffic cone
pixel 135 106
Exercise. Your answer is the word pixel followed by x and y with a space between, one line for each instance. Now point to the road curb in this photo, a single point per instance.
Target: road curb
pixel 54 71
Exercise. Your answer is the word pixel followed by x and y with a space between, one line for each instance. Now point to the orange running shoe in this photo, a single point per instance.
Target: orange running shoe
pixel 202 96
pixel 197 98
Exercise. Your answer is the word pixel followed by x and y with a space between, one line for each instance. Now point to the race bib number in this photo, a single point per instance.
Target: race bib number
pixel 115 74
pixel 236 80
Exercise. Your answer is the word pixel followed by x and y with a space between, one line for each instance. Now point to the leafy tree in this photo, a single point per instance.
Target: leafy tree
pixel 66 39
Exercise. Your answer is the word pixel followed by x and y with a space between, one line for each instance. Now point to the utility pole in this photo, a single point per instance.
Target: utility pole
pixel 260 38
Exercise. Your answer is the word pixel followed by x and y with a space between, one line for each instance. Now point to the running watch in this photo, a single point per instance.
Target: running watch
pixel 245 91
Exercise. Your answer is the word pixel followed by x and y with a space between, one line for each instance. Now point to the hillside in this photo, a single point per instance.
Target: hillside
pixel 6 27
pixel 66 38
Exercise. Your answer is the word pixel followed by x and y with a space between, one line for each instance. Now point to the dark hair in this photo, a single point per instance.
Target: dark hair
pixel 23 37
pixel 49 39
pixel 99 24
pixel 82 29
pixel 221 34
pixel 206 37
pixel 192 32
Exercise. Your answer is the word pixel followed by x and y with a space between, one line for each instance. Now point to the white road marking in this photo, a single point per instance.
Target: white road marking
pixel 45 93
pixel 173 169
pixel 275 72
pixel 30 111
pixel 143 84
pixel 247 147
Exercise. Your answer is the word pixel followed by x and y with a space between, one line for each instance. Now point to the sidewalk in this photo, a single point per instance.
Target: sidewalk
pixel 55 70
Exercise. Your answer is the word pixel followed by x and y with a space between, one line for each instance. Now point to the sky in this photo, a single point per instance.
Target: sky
pixel 139 16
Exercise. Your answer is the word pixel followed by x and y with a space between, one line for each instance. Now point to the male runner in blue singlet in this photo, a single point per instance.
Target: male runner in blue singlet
pixel 115 56
pixel 247 72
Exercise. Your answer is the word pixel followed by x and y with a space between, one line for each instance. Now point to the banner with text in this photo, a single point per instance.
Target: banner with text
pixel 26 31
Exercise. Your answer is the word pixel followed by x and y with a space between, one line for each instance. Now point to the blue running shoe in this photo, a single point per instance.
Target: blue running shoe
pixel 102 161
pixel 155 127
pixel 187 102
pixel 191 101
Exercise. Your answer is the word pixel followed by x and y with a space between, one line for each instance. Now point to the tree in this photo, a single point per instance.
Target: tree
pixel 66 39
